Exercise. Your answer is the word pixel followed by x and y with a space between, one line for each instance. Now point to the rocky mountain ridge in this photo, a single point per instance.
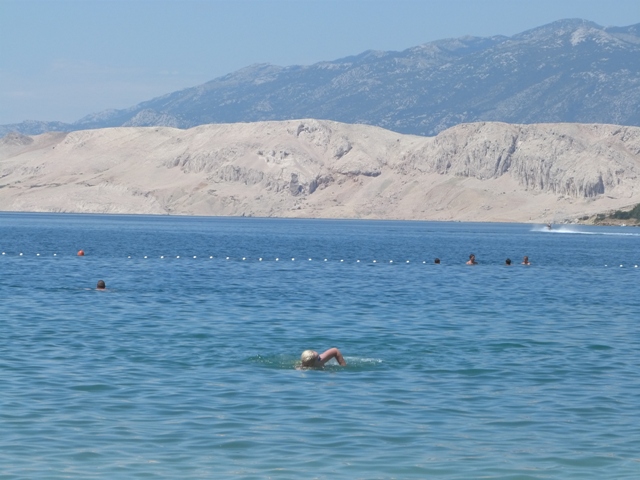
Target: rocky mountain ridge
pixel 571 71
pixel 308 168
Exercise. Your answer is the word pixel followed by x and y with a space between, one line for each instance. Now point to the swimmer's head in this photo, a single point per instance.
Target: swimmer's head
pixel 508 261
pixel 309 358
pixel 101 285
pixel 437 260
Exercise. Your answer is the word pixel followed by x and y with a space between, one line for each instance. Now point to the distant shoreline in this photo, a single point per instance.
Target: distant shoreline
pixel 339 219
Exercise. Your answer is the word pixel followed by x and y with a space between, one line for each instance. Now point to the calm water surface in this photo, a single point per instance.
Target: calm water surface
pixel 185 367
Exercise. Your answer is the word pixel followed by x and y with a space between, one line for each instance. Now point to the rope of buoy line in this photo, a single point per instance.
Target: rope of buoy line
pixel 81 253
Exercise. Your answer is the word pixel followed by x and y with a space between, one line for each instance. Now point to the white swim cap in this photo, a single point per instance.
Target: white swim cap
pixel 308 358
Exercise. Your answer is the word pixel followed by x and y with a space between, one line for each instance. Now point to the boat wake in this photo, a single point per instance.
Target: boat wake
pixel 573 230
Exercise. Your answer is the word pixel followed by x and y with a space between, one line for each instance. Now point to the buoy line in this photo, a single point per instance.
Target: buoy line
pixel 81 253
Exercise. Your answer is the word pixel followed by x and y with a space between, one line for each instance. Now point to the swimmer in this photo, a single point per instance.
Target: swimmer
pixel 437 260
pixel 472 260
pixel 312 359
pixel 507 261
pixel 525 261
pixel 101 285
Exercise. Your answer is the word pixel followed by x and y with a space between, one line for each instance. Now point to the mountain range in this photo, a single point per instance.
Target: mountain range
pixel 571 71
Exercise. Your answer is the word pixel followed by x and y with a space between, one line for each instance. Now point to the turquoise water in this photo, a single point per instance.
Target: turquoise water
pixel 185 367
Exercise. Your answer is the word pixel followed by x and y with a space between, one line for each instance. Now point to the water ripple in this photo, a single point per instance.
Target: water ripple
pixel 186 369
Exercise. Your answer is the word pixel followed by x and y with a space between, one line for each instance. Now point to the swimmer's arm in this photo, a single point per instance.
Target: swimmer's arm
pixel 333 353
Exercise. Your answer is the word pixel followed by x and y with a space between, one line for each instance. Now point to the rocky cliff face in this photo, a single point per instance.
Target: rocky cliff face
pixel 311 168
pixel 572 160
pixel 567 71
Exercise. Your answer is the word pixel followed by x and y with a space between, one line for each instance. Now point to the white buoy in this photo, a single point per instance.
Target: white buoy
pixel 227 258
pixel 357 261
pixel 3 253
pixel 210 256
pixel 260 259
pixel 341 260
pixel 390 261
pixel 374 261
pixel 277 259
pixel 55 254
pixel 129 256
pixel 293 259
pixel 37 254
pixel 194 256
pixel 324 259
pixel 177 256
pixel 635 266
pixel 145 256
pixel 407 261
pixel 20 253
pixel 309 259
pixel 161 256
pixel 620 266
pixel 424 261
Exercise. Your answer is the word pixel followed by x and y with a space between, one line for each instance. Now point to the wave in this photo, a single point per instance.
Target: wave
pixel 573 230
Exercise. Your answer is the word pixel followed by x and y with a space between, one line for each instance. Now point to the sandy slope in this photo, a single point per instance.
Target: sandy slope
pixel 310 168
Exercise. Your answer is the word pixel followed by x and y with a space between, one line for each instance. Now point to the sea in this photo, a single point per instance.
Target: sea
pixel 184 367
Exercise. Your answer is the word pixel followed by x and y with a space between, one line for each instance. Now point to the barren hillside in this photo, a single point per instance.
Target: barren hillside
pixel 311 168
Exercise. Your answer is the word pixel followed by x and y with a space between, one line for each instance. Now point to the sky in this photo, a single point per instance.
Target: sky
pixel 64 59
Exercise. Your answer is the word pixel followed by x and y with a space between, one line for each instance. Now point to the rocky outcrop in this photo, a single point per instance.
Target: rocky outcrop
pixel 573 160
pixel 311 168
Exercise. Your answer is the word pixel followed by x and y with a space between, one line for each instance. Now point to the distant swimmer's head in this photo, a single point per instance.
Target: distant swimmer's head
pixel 508 261
pixel 308 358
pixel 437 260
pixel 101 285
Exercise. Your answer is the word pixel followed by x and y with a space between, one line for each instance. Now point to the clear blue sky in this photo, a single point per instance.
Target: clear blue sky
pixel 63 59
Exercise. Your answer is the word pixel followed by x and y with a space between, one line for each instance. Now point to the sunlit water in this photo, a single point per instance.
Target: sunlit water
pixel 185 367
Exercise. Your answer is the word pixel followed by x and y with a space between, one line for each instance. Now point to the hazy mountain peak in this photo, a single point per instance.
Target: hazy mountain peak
pixel 561 28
